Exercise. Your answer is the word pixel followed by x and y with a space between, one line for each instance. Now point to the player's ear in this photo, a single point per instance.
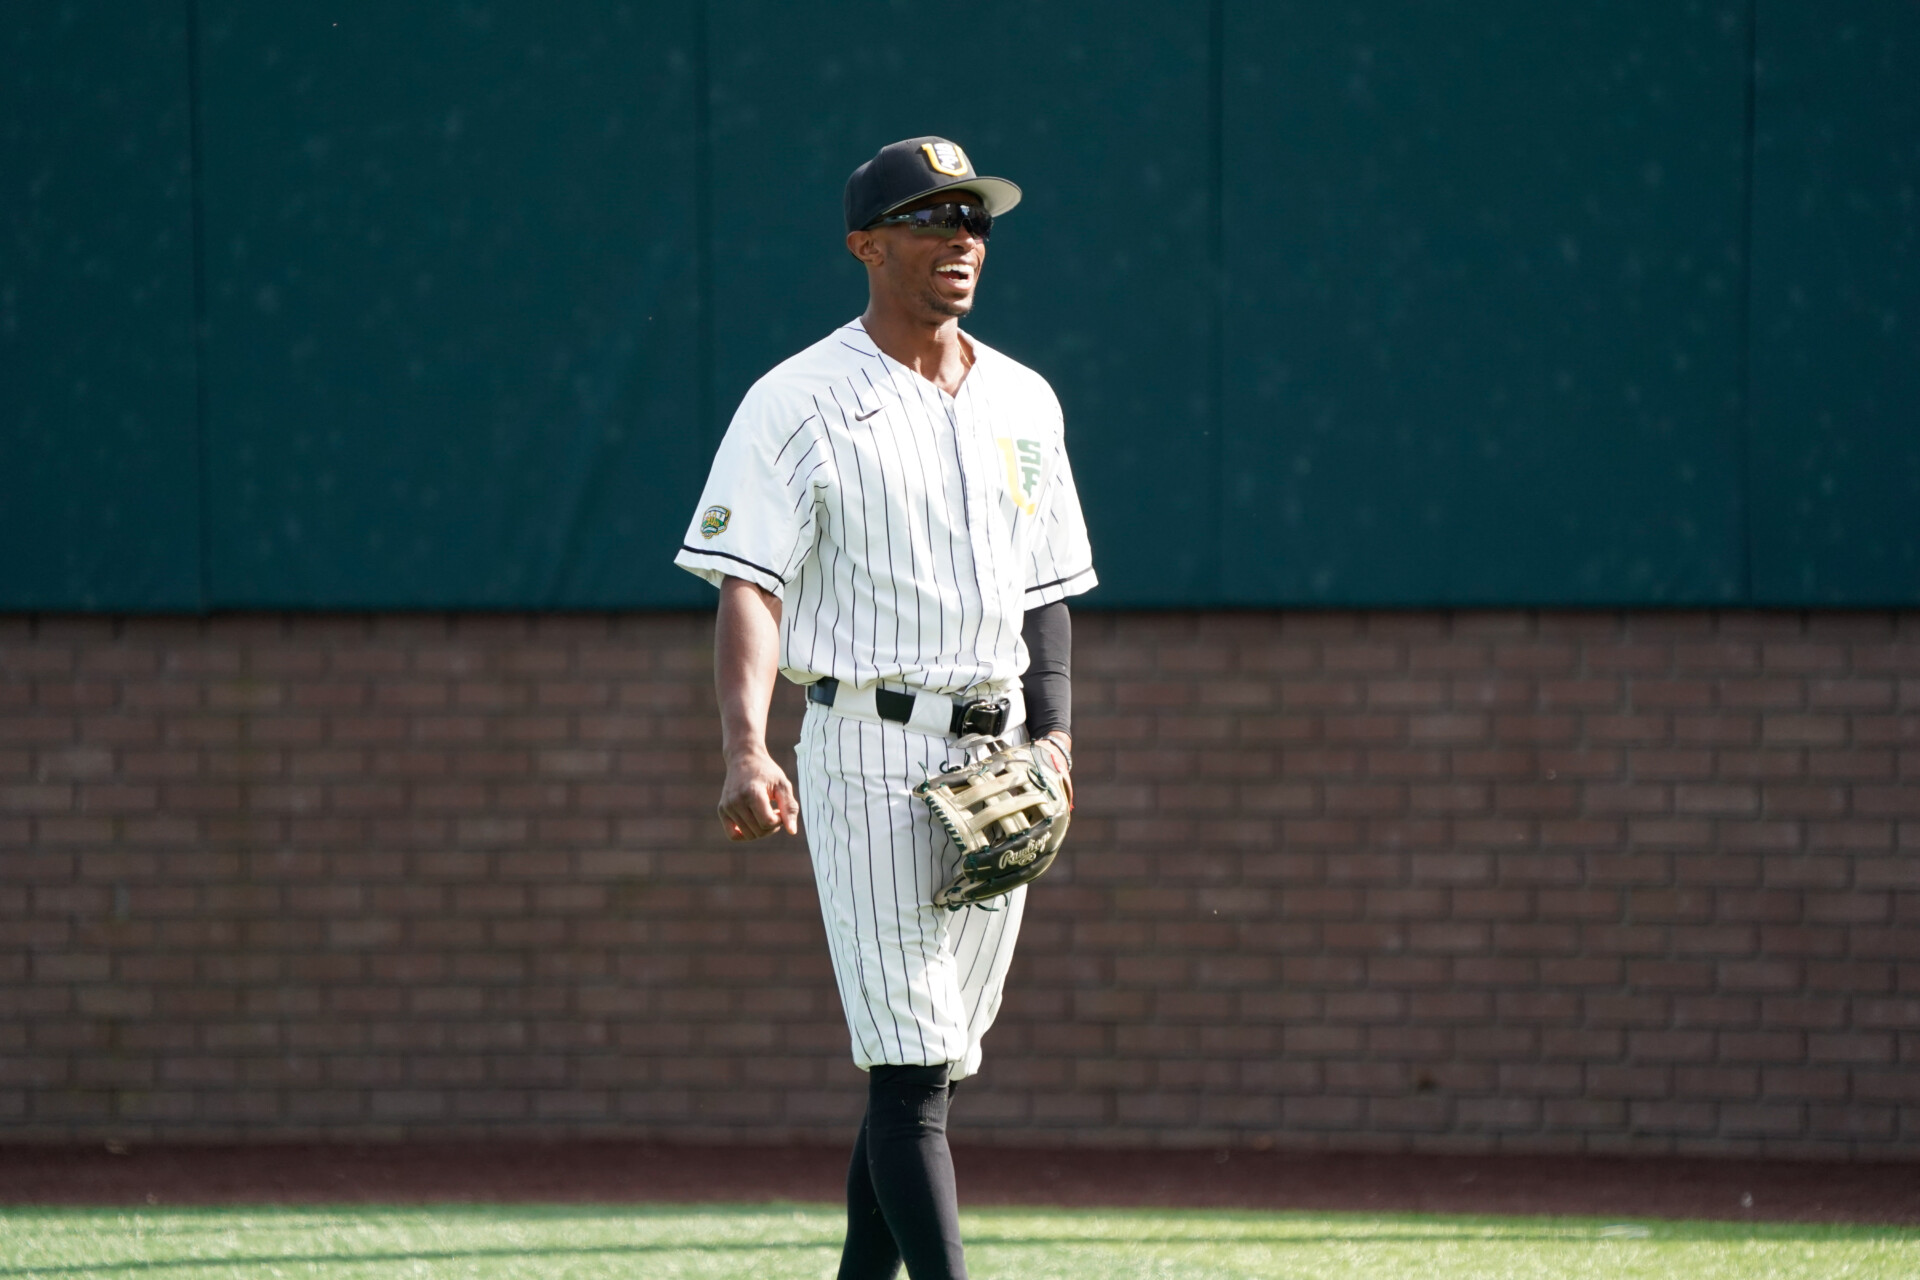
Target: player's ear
pixel 865 246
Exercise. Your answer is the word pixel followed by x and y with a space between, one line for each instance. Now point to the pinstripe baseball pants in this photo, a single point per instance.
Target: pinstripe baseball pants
pixel 919 984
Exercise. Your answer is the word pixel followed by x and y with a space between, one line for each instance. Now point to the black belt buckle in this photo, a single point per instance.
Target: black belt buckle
pixel 986 716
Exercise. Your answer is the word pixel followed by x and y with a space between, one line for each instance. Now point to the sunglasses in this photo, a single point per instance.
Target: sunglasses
pixel 943 220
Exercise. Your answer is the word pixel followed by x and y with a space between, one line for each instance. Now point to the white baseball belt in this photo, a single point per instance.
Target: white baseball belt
pixel 940 714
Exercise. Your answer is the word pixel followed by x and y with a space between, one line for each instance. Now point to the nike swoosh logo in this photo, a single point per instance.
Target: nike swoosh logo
pixel 862 417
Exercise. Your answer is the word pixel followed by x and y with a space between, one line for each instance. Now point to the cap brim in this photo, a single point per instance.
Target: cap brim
pixel 998 194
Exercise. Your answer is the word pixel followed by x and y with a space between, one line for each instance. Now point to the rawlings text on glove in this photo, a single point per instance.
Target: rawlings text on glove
pixel 1008 813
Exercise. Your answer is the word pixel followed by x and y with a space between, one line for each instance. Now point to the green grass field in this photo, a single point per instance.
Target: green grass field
pixel 774 1242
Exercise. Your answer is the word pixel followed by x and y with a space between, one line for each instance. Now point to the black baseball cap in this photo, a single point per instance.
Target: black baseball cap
pixel 904 171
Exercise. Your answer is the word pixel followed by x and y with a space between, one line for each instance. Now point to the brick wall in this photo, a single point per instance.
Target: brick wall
pixel 1532 881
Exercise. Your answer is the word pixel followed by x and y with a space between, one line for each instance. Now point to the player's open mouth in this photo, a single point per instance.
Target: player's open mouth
pixel 958 272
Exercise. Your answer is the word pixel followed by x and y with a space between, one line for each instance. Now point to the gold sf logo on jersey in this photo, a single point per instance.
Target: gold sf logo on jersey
pixel 1024 466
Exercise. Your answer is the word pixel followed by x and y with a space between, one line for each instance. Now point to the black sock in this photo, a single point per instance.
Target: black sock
pixel 869 1253
pixel 909 1179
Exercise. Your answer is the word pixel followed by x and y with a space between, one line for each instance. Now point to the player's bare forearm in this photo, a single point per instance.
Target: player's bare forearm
pixel 757 798
pixel 746 656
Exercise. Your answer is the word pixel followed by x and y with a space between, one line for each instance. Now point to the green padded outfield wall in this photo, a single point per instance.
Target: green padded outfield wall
pixel 1472 302
pixel 1485 324
pixel 453 325
pixel 99 428
pixel 1836 314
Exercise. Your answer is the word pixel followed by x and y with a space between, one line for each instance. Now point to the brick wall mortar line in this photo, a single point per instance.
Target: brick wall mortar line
pixel 1555 988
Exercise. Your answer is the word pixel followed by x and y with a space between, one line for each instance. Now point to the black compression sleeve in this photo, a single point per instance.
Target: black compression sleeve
pixel 1048 684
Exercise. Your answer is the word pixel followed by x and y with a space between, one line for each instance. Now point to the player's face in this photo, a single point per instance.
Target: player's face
pixel 931 274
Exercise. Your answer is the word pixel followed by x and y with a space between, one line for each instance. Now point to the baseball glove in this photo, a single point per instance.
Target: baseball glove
pixel 1008 813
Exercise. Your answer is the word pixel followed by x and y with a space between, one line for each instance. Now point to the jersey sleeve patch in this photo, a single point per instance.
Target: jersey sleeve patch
pixel 753 514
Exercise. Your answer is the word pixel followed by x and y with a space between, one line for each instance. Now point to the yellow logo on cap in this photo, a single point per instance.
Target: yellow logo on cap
pixel 945 157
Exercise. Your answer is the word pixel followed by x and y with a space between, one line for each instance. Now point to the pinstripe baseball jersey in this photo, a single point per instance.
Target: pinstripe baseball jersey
pixel 905 531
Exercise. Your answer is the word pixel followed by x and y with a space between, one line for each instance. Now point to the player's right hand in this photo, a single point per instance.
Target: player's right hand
pixel 757 799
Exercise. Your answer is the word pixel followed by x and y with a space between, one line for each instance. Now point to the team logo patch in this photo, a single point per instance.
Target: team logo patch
pixel 1024 465
pixel 944 157
pixel 713 520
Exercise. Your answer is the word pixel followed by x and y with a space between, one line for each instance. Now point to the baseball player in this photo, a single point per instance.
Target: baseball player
pixel 892 523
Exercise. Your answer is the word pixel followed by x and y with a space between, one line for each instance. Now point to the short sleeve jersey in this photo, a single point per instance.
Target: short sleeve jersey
pixel 904 530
